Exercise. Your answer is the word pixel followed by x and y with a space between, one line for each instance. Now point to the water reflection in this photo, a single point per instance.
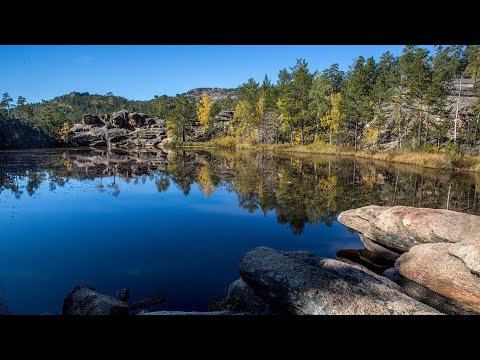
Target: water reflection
pixel 298 189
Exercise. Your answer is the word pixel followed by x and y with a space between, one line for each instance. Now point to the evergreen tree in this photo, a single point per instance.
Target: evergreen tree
pixel 6 102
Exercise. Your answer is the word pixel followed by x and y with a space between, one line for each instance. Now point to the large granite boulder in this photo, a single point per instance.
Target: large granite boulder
pixel 85 139
pixel 425 295
pixel 243 299
pixel 469 253
pixel 16 134
pixel 122 129
pixel 302 283
pixel 137 120
pixel 85 300
pixel 441 268
pixel 92 120
pixel 119 118
pixel 398 228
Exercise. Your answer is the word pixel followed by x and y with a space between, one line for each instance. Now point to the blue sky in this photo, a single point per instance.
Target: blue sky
pixel 140 72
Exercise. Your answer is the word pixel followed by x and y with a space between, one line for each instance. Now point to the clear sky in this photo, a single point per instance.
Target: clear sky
pixel 140 72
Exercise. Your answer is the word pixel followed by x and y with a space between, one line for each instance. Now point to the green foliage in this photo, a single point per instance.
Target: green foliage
pixel 454 155
pixel 430 149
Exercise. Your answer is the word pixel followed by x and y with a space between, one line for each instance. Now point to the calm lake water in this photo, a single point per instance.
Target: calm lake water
pixel 178 223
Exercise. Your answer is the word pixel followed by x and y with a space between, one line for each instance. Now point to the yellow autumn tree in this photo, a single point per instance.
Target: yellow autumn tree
pixel 63 132
pixel 333 118
pixel 372 136
pixel 204 105
pixel 204 180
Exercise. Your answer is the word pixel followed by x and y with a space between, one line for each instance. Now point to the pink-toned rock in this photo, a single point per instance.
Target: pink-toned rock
pixel 469 253
pixel 398 228
pixel 434 267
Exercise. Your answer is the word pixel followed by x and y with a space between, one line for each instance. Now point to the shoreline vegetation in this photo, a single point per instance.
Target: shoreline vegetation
pixel 437 160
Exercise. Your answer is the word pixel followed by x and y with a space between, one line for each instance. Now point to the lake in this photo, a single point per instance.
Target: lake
pixel 178 223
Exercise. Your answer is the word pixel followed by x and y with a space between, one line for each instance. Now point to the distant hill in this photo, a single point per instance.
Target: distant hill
pixel 215 93
pixel 76 104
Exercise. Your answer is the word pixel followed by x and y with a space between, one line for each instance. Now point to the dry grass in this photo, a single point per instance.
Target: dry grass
pixel 423 159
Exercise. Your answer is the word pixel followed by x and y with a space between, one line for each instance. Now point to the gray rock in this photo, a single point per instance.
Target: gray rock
pixel 379 249
pixel 188 313
pixel 242 298
pixel 84 139
pixel 302 283
pixel 123 295
pixel 366 258
pixel 398 228
pixel 156 300
pixel 16 134
pixel 92 120
pixel 425 295
pixel 85 300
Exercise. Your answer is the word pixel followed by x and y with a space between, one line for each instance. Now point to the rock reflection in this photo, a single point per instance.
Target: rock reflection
pixel 299 189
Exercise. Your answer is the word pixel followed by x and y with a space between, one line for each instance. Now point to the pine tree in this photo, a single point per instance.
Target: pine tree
pixel 6 102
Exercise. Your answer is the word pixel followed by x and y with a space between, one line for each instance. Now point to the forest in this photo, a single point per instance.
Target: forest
pixel 415 101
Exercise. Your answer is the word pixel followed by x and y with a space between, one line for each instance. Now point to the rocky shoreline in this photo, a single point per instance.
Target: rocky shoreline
pixel 416 261
pixel 121 129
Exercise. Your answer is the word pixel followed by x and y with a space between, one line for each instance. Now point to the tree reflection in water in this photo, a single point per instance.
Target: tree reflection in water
pixel 299 189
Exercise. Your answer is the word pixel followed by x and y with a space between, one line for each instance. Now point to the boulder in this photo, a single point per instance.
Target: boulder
pixel 92 120
pixel 136 120
pixel 117 135
pixel 469 253
pixel 188 313
pixel 16 134
pixel 119 119
pixel 425 295
pixel 302 283
pixel 398 228
pixel 84 139
pixel 123 294
pixel 150 122
pixel 366 258
pixel 78 128
pixel 242 298
pixel 378 249
pixel 434 267
pixel 85 300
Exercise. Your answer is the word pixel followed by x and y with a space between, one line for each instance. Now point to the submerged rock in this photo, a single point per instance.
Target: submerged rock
pixel 398 228
pixel 302 283
pixel 85 300
pixel 434 267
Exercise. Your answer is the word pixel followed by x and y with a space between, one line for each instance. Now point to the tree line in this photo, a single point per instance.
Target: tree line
pixel 411 101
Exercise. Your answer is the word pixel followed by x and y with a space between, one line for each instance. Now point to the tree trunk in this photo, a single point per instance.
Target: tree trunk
pixel 399 129
pixel 316 131
pixel 331 132
pixel 183 133
pixel 420 127
pixel 303 125
pixel 456 112
pixel 356 134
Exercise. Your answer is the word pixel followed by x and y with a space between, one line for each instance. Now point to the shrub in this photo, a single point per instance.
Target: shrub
pixel 454 155
pixel 431 149
pixel 225 142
